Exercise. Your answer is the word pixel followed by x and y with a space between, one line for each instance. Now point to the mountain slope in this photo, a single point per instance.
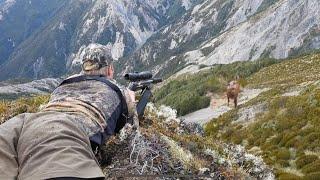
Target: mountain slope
pixel 37 87
pixel 277 117
pixel 162 35
pixel 219 32
pixel 278 32
pixel 282 123
pixel 47 50
pixel 19 20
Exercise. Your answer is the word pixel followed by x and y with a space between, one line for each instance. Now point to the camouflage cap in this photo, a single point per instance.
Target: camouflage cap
pixel 95 57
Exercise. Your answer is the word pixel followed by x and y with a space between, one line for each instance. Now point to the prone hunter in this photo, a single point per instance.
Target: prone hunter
pixel 59 142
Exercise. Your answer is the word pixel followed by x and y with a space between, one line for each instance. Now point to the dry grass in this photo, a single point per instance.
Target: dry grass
pixel 289 72
pixel 10 109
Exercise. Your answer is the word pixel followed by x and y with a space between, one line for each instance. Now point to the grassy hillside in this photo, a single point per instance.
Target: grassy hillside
pixel 9 109
pixel 188 93
pixel 289 72
pixel 282 124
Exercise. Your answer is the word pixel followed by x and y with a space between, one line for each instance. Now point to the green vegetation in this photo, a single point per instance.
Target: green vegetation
pixel 288 176
pixel 188 93
pixel 305 159
pixel 287 132
pixel 289 72
pixel 312 167
pixel 312 176
pixel 12 96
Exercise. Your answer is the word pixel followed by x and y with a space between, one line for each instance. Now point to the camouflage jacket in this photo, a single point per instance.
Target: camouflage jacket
pixel 96 102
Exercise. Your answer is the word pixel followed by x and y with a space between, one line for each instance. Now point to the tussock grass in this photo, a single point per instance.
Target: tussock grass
pixel 183 155
pixel 289 72
pixel 9 109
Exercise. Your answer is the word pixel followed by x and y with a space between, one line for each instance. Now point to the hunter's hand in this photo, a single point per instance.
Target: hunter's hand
pixel 131 101
pixel 132 95
pixel 131 104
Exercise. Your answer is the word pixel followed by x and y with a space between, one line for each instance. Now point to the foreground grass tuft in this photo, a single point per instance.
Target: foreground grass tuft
pixel 9 109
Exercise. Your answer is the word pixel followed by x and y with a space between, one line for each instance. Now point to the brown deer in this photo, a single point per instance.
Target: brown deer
pixel 233 90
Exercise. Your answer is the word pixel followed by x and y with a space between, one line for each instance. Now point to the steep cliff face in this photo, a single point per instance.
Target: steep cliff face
pixel 220 32
pixel 47 48
pixel 122 24
pixel 282 30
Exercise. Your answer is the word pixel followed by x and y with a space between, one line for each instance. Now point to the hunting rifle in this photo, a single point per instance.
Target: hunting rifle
pixel 142 81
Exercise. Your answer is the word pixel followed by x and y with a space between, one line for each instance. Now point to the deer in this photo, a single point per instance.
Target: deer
pixel 233 90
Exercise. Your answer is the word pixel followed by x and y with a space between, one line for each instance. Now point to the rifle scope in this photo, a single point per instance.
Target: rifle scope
pixel 138 76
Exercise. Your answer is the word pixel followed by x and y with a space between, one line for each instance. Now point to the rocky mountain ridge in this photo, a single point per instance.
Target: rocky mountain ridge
pixel 9 91
pixel 164 36
pixel 47 34
pixel 220 32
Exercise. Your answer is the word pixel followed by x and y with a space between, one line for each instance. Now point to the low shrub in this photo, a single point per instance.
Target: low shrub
pixel 311 167
pixel 312 176
pixel 288 176
pixel 305 159
pixel 283 163
pixel 283 154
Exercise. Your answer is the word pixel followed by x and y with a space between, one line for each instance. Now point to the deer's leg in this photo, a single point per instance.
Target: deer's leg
pixel 235 102
pixel 228 100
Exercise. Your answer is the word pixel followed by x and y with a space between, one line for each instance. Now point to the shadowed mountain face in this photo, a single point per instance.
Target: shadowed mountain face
pixel 42 38
pixel 20 19
pixel 40 45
